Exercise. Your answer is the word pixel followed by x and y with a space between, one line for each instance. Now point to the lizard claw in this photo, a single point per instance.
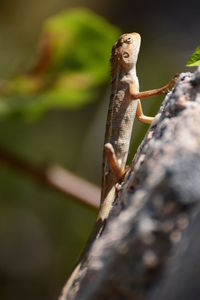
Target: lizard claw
pixel 174 79
pixel 171 83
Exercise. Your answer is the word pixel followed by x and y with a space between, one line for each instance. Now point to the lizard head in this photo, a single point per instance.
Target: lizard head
pixel 126 49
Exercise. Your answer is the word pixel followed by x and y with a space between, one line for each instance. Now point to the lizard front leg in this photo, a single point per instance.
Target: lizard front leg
pixel 142 95
pixel 141 117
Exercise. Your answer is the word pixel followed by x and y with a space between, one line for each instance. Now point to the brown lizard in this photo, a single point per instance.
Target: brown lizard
pixel 123 107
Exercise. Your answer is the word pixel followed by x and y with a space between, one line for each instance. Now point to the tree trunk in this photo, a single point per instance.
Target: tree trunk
pixel 150 247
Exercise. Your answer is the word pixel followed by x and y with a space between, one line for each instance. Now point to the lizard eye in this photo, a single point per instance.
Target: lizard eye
pixel 129 40
pixel 125 54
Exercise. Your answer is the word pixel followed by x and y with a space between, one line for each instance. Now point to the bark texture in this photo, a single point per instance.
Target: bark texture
pixel 150 247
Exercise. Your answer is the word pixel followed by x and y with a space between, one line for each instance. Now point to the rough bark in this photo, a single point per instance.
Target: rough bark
pixel 150 247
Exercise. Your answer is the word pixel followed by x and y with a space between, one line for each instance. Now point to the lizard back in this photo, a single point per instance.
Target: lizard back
pixel 122 110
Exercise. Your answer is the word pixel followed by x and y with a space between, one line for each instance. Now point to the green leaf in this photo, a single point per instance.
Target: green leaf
pixel 194 59
pixel 73 62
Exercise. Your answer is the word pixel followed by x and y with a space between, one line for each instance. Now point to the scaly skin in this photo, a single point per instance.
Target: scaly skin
pixel 124 106
pixel 121 114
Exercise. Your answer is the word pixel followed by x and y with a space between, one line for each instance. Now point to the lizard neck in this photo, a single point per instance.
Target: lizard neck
pixel 128 75
pixel 132 72
pixel 122 74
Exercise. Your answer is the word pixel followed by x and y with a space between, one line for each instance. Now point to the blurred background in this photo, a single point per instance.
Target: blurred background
pixel 54 93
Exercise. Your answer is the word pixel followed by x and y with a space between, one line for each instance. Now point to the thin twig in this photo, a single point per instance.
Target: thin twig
pixel 57 178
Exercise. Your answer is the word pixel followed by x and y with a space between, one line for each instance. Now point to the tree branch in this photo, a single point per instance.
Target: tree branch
pixel 57 178
pixel 150 247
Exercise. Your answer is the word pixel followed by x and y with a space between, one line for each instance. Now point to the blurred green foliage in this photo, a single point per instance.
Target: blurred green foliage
pixel 73 62
pixel 194 59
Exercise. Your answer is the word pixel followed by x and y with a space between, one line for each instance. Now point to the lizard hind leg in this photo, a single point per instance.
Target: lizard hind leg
pixel 112 161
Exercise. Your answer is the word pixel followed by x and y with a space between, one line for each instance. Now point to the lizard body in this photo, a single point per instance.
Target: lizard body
pixel 121 114
pixel 124 106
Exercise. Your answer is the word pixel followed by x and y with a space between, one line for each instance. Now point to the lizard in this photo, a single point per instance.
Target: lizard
pixel 124 106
